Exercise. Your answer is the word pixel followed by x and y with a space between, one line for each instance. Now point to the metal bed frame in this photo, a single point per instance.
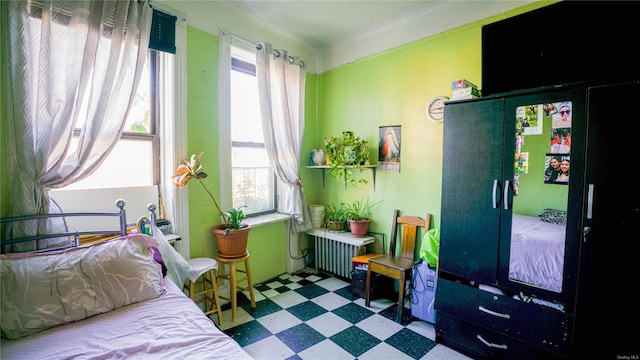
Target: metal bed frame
pixel 7 224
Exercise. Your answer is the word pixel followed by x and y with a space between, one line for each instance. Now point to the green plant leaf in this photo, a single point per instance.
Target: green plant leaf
pixel 342 163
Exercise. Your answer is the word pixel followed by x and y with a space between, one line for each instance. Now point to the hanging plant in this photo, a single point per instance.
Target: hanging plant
pixel 345 155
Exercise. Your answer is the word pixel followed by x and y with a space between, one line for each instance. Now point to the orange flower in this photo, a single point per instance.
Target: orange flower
pixel 188 170
pixel 192 169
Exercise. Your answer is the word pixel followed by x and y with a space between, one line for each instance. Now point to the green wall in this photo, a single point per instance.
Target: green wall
pixel 394 88
pixel 202 135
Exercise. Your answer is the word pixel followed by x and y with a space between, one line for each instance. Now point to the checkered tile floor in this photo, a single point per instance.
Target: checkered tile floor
pixel 317 316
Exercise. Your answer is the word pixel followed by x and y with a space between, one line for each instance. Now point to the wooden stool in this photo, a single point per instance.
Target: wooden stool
pixel 234 280
pixel 203 270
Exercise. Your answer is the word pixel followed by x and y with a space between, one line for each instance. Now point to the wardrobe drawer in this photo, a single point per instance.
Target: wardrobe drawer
pixel 480 343
pixel 529 322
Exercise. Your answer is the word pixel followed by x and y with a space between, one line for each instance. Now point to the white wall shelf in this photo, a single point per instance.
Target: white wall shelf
pixel 324 168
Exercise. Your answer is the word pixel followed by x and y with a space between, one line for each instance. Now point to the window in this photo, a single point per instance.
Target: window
pixel 146 155
pixel 141 135
pixel 140 138
pixel 253 180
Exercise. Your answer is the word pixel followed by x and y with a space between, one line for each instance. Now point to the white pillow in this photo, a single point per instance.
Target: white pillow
pixel 40 291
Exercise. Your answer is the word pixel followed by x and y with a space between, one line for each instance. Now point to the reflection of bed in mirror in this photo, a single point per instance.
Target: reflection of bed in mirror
pixel 537 252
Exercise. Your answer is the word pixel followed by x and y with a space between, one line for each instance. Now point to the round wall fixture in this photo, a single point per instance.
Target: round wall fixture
pixel 435 109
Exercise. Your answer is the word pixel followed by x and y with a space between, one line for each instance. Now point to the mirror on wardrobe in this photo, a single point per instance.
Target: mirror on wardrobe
pixel 541 185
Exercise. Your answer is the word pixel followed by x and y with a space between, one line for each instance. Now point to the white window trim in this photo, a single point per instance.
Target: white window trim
pixel 224 105
pixel 224 118
pixel 174 143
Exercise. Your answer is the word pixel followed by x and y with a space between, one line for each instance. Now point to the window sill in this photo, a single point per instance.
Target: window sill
pixel 266 219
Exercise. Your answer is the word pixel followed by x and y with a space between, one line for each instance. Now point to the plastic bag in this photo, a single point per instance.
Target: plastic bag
pixel 177 266
pixel 429 247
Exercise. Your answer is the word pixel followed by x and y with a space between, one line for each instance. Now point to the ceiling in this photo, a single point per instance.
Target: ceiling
pixel 335 28
pixel 341 31
pixel 323 23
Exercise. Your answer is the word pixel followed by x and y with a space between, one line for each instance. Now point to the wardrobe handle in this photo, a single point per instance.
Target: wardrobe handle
pixel 494 195
pixel 590 202
pixel 497 346
pixel 491 312
pixel 505 195
pixel 585 232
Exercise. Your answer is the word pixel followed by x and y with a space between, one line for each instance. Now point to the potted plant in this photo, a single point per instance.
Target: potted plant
pixel 344 155
pixel 336 217
pixel 359 215
pixel 232 234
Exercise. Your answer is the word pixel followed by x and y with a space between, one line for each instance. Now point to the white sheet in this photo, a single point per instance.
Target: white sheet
pixel 169 327
pixel 537 252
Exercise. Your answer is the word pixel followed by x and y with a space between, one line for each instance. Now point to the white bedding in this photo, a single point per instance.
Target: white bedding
pixel 168 327
pixel 537 252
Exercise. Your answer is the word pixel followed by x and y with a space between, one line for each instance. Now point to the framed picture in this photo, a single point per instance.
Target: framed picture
pixel 389 148
pixel 560 141
pixel 562 118
pixel 549 109
pixel 529 119
pixel 522 163
pixel 557 169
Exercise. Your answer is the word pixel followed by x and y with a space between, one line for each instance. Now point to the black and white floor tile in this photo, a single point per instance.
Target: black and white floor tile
pixel 317 316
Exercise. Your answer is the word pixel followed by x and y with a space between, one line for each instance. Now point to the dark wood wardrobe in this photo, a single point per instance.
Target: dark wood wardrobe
pixel 508 292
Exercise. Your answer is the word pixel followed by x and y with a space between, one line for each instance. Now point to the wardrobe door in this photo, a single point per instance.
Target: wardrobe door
pixel 611 219
pixel 472 189
pixel 539 258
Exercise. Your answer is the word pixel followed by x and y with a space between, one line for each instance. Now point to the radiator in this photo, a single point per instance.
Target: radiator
pixel 334 250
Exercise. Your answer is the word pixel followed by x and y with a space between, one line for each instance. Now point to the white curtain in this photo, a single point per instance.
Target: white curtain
pixel 74 66
pixel 281 88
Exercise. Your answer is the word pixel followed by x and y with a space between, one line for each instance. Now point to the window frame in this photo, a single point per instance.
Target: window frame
pixel 152 136
pixel 169 108
pixel 248 68
pixel 154 119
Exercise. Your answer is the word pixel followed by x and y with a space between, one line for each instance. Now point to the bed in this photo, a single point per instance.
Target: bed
pixel 108 300
pixel 537 252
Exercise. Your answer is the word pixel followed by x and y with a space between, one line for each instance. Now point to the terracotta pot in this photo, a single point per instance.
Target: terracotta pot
pixel 232 243
pixel 359 228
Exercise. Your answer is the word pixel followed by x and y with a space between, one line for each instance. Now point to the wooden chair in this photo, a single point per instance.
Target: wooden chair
pixel 398 267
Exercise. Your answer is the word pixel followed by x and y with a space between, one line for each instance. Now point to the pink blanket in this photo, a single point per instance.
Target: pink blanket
pixel 168 327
